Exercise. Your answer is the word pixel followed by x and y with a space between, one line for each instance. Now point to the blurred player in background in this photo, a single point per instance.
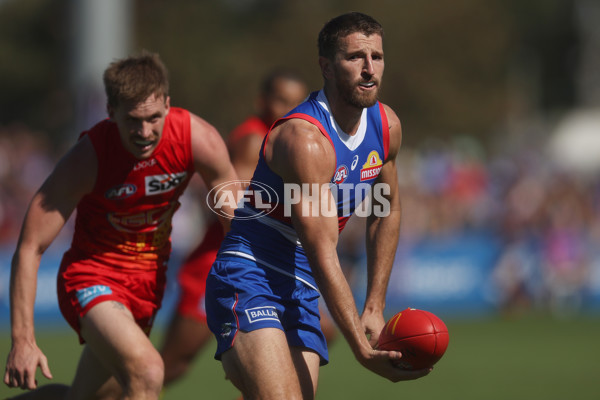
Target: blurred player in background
pixel 124 176
pixel 262 291
pixel 187 334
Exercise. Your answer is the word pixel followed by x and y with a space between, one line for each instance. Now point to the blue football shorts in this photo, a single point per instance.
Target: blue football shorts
pixel 243 295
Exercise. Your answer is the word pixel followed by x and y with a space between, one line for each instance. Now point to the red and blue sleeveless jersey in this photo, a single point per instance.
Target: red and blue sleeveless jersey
pixel 270 239
pixel 125 221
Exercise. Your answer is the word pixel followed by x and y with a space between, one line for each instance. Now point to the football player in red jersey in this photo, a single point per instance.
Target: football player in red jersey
pixel 280 91
pixel 124 176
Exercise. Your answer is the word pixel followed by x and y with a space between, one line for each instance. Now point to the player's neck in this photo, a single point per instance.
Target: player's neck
pixel 346 115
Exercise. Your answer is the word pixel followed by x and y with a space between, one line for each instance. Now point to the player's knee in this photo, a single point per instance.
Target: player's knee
pixel 146 373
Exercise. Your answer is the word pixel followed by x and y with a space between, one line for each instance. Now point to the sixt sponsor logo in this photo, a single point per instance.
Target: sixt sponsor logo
pixel 262 313
pixel 121 191
pixel 372 167
pixel 157 184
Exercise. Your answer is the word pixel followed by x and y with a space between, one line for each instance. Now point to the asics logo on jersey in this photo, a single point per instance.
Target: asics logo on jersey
pixel 354 162
pixel 144 164
pixel 157 184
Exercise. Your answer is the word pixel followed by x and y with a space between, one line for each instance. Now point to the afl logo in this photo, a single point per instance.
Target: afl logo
pixel 340 174
pixel 121 191
pixel 259 195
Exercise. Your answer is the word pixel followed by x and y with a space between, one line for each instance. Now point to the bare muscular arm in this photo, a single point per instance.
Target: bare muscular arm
pixel 73 176
pixel 300 154
pixel 211 160
pixel 382 234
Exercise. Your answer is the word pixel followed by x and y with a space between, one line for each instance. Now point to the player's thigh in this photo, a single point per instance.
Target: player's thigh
pixel 261 366
pixel 117 341
pixel 307 364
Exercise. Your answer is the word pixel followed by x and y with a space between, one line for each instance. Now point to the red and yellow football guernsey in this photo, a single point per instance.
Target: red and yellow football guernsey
pixel 125 222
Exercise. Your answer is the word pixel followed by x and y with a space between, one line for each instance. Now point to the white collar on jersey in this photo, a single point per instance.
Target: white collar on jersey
pixel 351 142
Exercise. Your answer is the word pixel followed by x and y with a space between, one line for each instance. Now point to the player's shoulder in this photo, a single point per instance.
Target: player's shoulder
pixel 391 116
pixel 395 130
pixel 200 125
pixel 297 133
pixel 295 144
pixel 206 141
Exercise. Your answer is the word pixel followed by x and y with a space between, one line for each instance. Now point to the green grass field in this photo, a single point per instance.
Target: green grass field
pixel 533 357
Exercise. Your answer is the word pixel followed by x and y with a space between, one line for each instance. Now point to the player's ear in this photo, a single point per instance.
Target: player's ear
pixel 167 105
pixel 326 67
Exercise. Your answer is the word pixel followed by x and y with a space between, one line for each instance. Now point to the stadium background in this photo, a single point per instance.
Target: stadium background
pixel 499 171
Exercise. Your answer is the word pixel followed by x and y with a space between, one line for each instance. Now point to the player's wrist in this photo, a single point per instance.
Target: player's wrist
pixel 19 340
pixel 373 307
pixel 22 331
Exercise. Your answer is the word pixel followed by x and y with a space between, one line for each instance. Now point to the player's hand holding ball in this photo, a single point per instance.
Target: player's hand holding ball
pixel 419 335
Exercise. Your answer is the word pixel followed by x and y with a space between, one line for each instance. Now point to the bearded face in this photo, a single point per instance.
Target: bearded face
pixel 358 69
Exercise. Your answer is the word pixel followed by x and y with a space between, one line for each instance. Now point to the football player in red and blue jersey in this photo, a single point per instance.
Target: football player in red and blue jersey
pixel 319 162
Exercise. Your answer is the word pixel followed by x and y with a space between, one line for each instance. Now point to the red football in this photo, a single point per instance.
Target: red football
pixel 419 335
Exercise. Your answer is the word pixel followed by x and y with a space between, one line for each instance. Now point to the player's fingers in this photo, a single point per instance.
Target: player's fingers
pixel 14 379
pixel 45 368
pixel 390 354
pixel 374 339
pixel 6 378
pixel 29 381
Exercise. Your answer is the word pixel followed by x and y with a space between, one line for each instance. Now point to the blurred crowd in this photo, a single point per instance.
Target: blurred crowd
pixel 547 219
pixel 26 159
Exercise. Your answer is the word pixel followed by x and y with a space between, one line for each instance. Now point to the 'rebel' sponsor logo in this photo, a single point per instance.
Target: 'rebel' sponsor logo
pixel 121 191
pixel 157 184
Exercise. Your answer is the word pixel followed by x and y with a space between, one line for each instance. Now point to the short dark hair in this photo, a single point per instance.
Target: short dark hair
pixel 342 26
pixel 135 78
pixel 268 83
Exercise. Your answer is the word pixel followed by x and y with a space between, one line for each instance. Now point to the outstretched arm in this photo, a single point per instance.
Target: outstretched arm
pixel 300 154
pixel 383 229
pixel 50 208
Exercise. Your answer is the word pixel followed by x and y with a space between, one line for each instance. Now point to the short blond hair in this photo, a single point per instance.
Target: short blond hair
pixel 135 78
